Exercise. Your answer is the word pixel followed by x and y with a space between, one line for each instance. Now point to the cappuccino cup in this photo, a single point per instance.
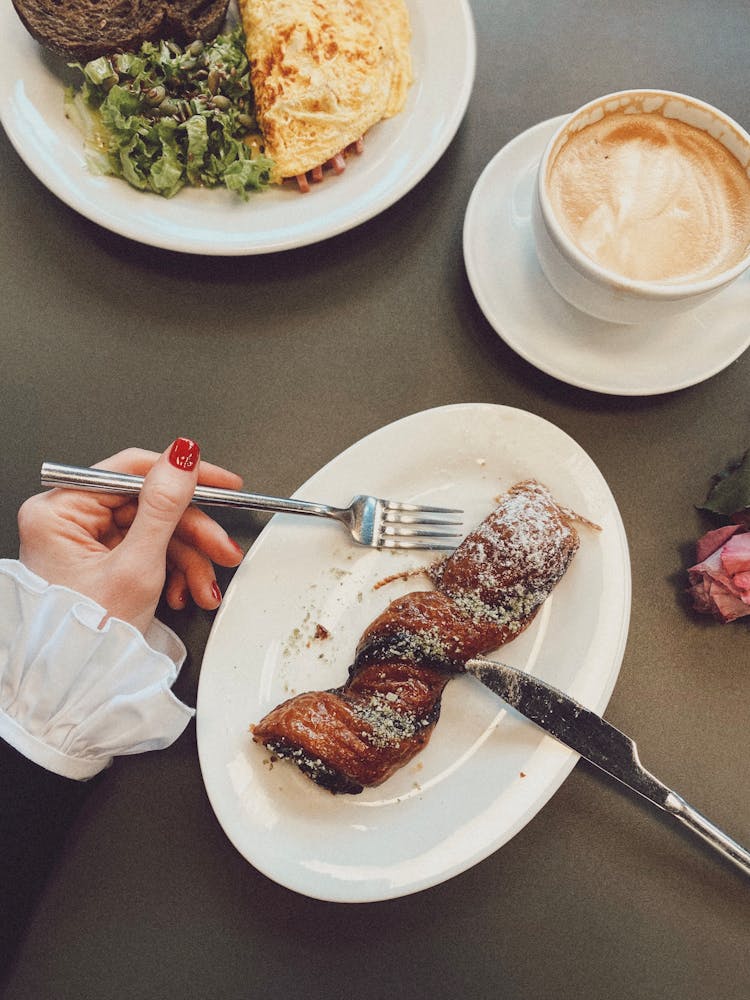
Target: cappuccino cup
pixel 642 205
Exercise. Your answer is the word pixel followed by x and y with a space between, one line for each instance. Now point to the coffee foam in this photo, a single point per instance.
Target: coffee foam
pixel 651 198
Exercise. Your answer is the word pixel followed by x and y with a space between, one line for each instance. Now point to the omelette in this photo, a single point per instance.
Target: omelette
pixel 323 72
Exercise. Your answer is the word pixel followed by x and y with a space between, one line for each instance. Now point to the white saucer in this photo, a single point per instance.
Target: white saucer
pixel 531 318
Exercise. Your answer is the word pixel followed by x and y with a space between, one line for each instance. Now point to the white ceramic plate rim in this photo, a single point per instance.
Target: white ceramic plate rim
pixel 398 152
pixel 533 320
pixel 347 848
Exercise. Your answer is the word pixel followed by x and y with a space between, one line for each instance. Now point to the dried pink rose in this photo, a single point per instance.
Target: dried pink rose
pixel 720 579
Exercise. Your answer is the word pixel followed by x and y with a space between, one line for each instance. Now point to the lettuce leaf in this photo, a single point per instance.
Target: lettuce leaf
pixel 730 493
pixel 167 116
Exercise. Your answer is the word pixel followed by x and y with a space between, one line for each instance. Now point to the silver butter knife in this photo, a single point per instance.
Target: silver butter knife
pixel 600 743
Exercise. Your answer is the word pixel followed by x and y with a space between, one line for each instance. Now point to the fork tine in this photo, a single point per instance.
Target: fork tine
pixel 392 543
pixel 415 519
pixel 397 531
pixel 395 505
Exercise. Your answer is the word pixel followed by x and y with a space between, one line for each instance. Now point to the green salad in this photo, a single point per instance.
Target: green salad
pixel 167 116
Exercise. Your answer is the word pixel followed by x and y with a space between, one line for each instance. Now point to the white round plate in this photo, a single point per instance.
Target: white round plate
pixel 397 155
pixel 534 321
pixel 486 771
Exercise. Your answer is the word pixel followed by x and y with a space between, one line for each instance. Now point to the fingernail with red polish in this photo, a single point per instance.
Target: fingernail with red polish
pixel 184 454
pixel 216 592
pixel 237 546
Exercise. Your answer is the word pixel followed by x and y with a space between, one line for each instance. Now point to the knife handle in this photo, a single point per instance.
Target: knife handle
pixel 698 823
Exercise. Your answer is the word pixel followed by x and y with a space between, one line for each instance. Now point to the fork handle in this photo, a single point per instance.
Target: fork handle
pixel 102 481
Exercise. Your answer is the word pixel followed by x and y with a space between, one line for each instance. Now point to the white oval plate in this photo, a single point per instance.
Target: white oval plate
pixel 398 152
pixel 486 772
pixel 522 307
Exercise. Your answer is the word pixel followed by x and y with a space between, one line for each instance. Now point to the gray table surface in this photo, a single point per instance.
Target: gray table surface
pixel 276 364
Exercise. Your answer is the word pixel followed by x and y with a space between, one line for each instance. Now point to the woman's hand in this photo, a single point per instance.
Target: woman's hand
pixel 120 550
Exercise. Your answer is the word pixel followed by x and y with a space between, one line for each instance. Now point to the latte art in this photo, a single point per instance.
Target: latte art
pixel 651 198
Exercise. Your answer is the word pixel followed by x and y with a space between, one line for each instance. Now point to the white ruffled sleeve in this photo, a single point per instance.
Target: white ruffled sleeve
pixel 73 695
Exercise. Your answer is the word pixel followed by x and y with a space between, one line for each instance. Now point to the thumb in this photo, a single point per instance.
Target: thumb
pixel 166 493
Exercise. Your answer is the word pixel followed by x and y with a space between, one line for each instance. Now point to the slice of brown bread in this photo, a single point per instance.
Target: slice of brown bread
pixel 86 29
pixel 186 20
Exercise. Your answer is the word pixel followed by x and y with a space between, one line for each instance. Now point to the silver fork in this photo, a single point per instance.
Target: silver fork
pixel 381 524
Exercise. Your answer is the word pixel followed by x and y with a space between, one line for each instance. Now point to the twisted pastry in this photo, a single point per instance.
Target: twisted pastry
pixel 486 593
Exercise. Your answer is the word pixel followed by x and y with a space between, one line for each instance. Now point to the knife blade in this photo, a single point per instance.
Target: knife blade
pixel 591 736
